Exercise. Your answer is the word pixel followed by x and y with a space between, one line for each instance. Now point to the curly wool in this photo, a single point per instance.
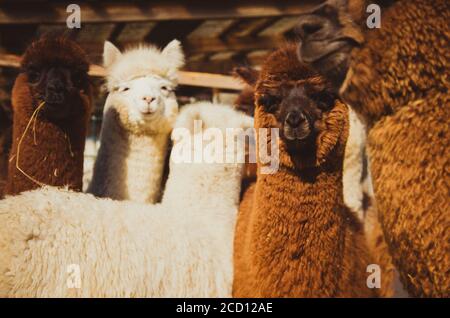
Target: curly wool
pixel 294 235
pixel 179 248
pixel 132 156
pixel 398 82
pixel 55 156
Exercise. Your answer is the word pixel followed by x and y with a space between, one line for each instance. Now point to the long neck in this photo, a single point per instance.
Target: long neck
pixel 129 166
pixel 298 217
pixel 210 188
pixel 50 154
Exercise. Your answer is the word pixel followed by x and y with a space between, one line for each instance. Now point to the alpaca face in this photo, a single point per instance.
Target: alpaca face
pixel 311 122
pixel 141 82
pixel 56 73
pixel 302 104
pixel 57 86
pixel 146 103
pixel 297 108
pixel 328 35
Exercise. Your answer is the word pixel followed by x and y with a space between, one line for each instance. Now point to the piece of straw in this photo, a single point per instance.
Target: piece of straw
pixel 33 116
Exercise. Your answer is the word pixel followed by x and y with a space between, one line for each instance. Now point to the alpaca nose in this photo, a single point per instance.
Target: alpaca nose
pixel 294 119
pixel 310 24
pixel 55 86
pixel 148 99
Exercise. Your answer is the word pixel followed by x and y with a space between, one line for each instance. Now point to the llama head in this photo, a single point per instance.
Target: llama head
pixel 54 71
pixel 301 104
pixel 330 32
pixel 141 83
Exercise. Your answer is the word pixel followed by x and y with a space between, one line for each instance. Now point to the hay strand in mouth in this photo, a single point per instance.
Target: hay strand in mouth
pixel 70 146
pixel 33 116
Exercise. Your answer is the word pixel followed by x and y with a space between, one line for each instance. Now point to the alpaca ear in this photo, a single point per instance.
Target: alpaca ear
pixel 174 53
pixel 110 54
pixel 246 74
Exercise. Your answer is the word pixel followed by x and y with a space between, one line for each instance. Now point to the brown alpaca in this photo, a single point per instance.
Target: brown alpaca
pixel 5 144
pixel 294 236
pixel 54 79
pixel 396 78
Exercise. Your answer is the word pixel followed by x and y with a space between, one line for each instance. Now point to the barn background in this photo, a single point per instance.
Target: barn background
pixel 216 37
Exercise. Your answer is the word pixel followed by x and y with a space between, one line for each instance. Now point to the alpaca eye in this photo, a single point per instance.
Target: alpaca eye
pixel 324 100
pixel 166 89
pixel 33 76
pixel 123 89
pixel 269 102
pixel 77 78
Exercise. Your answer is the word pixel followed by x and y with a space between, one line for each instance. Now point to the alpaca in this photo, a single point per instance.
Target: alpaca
pixel 395 79
pixel 51 106
pixel 353 177
pixel 294 235
pixel 139 114
pixel 5 144
pixel 354 150
pixel 181 247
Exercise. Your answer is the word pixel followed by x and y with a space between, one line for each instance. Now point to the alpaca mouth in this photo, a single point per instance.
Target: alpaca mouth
pixel 55 98
pixel 298 133
pixel 311 51
pixel 328 57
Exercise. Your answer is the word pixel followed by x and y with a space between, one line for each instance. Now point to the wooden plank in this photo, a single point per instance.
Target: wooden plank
pixel 9 60
pixel 279 27
pixel 256 58
pixel 185 78
pixel 53 28
pixel 95 32
pixel 247 27
pixel 158 10
pixel 135 32
pixel 222 56
pixel 211 29
pixel 209 80
pixel 232 44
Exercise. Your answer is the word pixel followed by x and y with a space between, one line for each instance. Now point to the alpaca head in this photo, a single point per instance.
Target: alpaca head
pixel 55 72
pixel 301 104
pixel 330 32
pixel 141 83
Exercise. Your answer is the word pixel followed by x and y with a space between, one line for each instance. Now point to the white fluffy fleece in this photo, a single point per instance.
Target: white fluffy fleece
pixel 139 114
pixel 353 166
pixel 181 247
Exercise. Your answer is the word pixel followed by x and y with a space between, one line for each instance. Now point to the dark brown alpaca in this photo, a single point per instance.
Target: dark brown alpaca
pixel 294 236
pixel 396 78
pixel 54 78
pixel 5 144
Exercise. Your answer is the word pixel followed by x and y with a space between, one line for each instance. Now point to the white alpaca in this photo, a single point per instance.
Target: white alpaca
pixel 353 183
pixel 139 113
pixel 181 247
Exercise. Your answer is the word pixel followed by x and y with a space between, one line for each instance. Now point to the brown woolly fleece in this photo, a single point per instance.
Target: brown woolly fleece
pixel 5 144
pixel 398 81
pixel 294 236
pixel 55 157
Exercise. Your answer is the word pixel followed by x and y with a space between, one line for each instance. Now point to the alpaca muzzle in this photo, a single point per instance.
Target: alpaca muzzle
pixel 296 126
